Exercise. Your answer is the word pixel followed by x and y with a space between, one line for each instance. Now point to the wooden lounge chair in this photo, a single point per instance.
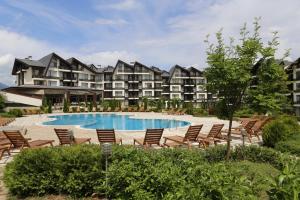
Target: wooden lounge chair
pixel 257 128
pixel 248 127
pixel 66 139
pixel 4 149
pixel 190 136
pixel 19 142
pixel 214 136
pixel 152 137
pixel 108 135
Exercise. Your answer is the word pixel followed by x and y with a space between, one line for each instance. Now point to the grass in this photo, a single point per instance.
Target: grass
pixel 259 173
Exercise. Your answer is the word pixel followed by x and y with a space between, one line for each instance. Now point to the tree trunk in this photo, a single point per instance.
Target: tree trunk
pixel 229 138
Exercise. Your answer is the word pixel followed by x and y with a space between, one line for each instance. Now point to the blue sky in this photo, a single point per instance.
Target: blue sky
pixel 154 32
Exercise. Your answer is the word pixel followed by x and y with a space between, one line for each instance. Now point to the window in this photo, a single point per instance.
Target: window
pixel 83 76
pixel 118 93
pixel 297 99
pixel 297 86
pixel 52 83
pixel 51 73
pixel 148 85
pixel 148 93
pixel 85 85
pixel 201 96
pixel 175 89
pixel 298 75
pixel 99 86
pixel 99 77
pixel 38 82
pixel 119 85
pixel 175 96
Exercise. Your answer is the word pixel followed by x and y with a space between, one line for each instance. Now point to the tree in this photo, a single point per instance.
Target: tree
pixel 49 107
pixel 229 68
pixel 271 86
pixel 66 107
pixel 2 103
pixel 145 103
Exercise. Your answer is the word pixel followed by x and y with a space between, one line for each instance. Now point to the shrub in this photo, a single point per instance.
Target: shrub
pixel 72 170
pixel 74 109
pixel 90 107
pixel 291 145
pixel 15 112
pixel 2 102
pixel 287 184
pixel 147 174
pixel 280 129
pixel 245 112
pixel 66 107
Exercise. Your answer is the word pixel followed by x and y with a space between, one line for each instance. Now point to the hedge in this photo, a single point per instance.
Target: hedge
pixel 133 173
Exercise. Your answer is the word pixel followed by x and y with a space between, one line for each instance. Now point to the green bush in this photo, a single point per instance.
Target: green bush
pixel 65 170
pixel 291 145
pixel 244 112
pixel 148 174
pixel 15 112
pixel 280 129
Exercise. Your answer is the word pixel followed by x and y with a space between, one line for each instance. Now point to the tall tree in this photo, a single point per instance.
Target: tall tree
pixel 229 68
pixel 269 95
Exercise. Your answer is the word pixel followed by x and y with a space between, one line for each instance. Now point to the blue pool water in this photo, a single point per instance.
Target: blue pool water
pixel 113 121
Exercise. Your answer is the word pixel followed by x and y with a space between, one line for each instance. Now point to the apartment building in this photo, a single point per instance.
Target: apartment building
pixel 293 72
pixel 58 79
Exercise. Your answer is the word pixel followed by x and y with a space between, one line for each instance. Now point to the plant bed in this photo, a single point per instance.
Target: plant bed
pixel 79 171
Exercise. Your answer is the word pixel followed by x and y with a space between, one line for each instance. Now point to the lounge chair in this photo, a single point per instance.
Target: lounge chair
pixel 65 138
pixel 152 137
pixel 248 127
pixel 4 149
pixel 18 141
pixel 5 121
pixel 108 136
pixel 214 136
pixel 191 135
pixel 257 128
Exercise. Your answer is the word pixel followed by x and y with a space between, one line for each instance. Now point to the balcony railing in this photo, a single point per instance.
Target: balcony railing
pixel 37 76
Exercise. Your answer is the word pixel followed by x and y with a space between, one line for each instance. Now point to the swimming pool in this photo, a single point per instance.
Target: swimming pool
pixel 113 121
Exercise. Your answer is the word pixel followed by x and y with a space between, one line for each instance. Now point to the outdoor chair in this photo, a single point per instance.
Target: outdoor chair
pixel 152 137
pixel 4 149
pixel 108 136
pixel 248 128
pixel 214 136
pixel 66 138
pixel 18 141
pixel 191 135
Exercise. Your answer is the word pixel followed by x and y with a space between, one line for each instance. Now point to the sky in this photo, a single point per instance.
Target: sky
pixel 154 32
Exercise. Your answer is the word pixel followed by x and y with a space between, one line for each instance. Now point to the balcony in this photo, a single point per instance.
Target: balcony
pixel 37 76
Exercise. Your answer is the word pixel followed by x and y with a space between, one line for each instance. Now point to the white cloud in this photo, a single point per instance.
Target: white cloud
pixel 121 5
pixel 17 45
pixel 108 57
pixel 189 29
pixel 101 21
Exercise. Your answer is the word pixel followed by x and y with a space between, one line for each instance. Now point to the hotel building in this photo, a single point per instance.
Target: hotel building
pixel 57 79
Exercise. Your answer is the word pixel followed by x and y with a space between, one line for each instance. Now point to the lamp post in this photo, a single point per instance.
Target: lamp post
pixel 244 133
pixel 106 150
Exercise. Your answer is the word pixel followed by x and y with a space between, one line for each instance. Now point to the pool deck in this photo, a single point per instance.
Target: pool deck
pixel 33 123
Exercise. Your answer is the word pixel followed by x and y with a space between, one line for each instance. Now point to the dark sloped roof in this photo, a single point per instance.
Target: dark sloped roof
pixel 46 59
pixel 165 73
pixel 34 63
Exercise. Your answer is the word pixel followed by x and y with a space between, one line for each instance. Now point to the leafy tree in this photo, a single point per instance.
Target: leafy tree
pixel 49 106
pixel 269 93
pixel 90 108
pixel 66 106
pixel 229 72
pixel 145 103
pixel 2 102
